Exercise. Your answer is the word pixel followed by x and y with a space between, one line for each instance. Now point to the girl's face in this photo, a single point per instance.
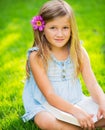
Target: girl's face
pixel 58 32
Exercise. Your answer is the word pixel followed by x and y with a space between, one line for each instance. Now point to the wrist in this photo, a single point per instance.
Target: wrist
pixel 73 109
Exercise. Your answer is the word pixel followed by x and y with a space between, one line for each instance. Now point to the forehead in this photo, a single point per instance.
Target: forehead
pixel 64 20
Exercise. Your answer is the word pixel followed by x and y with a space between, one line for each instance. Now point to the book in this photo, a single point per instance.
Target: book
pixel 87 104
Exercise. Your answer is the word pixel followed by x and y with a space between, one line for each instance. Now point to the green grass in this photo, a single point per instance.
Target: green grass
pixel 16 37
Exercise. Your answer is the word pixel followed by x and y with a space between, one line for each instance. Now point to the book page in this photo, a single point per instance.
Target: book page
pixel 60 115
pixel 87 104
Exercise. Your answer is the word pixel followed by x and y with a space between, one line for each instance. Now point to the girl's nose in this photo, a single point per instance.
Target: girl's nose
pixel 59 33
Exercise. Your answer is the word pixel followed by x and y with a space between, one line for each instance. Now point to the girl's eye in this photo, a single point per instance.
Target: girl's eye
pixel 52 27
pixel 65 27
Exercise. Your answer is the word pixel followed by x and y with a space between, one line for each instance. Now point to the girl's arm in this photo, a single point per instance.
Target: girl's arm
pixel 95 90
pixel 90 80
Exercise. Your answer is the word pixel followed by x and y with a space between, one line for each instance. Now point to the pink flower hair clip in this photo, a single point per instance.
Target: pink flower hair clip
pixel 38 23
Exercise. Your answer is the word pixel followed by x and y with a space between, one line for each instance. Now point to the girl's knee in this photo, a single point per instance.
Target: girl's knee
pixel 45 120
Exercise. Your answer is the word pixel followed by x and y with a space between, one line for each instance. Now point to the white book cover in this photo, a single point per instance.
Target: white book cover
pixel 86 104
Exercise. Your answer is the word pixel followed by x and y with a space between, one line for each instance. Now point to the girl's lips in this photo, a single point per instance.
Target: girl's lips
pixel 59 39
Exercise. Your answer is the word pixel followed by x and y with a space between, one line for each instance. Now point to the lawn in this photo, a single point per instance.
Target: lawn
pixel 16 37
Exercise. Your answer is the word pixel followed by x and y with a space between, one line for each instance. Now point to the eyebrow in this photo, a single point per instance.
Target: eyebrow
pixel 61 25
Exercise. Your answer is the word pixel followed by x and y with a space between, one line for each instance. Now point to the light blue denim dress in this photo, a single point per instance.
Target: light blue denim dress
pixel 61 75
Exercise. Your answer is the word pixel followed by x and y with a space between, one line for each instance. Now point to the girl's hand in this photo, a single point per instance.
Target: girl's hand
pixel 83 118
pixel 101 111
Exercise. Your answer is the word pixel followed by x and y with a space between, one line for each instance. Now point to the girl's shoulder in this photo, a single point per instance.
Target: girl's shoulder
pixel 32 53
pixel 33 49
pixel 33 57
pixel 84 54
pixel 85 58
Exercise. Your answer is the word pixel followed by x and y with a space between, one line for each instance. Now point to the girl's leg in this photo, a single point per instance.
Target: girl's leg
pixel 100 123
pixel 47 121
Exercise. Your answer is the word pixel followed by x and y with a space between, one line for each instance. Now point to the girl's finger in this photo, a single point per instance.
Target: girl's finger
pixel 98 115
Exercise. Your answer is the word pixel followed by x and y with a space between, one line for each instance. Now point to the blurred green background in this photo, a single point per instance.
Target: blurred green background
pixel 16 37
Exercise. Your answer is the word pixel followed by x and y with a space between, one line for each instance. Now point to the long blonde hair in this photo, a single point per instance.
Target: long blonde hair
pixel 49 11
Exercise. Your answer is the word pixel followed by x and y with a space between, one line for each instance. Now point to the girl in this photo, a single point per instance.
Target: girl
pixel 54 63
